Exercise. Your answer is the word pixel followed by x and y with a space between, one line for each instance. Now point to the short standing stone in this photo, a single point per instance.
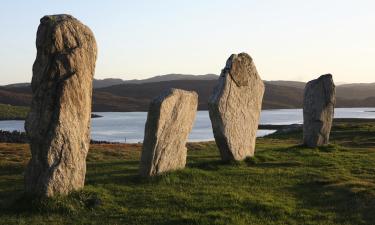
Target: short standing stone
pixel 58 124
pixel 235 107
pixel 318 110
pixel 169 121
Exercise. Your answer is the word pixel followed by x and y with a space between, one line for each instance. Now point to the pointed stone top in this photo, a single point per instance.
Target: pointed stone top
pixel 240 67
pixel 326 76
pixel 63 33
pixel 325 80
pixel 54 19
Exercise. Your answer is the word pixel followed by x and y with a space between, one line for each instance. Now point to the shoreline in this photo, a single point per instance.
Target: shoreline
pixel 96 114
pixel 21 137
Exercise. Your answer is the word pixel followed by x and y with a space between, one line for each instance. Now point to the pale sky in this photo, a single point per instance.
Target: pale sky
pixel 288 39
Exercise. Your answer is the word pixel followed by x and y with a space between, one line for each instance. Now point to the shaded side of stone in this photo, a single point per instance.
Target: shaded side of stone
pixel 318 111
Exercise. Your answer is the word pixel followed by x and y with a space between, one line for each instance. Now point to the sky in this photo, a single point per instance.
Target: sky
pixel 288 40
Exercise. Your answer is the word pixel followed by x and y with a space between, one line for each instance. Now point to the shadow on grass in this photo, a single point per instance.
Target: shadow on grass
pixel 295 135
pixel 349 201
pixel 11 169
pixel 23 203
pixel 101 165
pixel 125 173
pixel 119 173
pixel 211 165
pixel 259 160
pixel 302 149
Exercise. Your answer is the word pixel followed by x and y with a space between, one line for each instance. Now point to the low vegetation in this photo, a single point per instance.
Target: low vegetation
pixel 284 183
pixel 9 112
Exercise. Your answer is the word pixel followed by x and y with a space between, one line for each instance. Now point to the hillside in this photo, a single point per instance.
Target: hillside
pixel 135 95
pixel 102 83
pixel 295 84
pixel 356 91
pixel 174 77
pixel 352 91
pixel 15 95
pixel 107 82
pixel 141 94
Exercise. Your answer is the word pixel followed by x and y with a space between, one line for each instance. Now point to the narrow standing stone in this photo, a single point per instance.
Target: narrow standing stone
pixel 235 107
pixel 169 121
pixel 318 110
pixel 58 124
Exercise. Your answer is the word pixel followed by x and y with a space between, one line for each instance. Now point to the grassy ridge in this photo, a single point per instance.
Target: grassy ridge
pixel 284 184
pixel 9 112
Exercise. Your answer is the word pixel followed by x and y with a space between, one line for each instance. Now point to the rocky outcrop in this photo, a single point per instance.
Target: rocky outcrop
pixel 58 124
pixel 318 110
pixel 169 121
pixel 235 107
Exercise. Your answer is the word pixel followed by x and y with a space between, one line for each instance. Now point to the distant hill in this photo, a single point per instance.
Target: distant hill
pixel 356 91
pixel 135 95
pixel 352 91
pixel 173 76
pixel 295 84
pixel 16 96
pixel 107 82
pixel 168 77
pixel 17 85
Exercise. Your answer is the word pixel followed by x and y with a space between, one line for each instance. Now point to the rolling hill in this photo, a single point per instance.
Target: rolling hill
pixel 101 83
pixel 356 91
pixel 135 95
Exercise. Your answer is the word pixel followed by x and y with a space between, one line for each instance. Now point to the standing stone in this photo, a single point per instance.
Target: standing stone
pixel 169 121
pixel 235 107
pixel 318 109
pixel 58 124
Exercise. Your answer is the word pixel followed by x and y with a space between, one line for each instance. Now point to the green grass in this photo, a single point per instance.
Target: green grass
pixel 9 112
pixel 284 183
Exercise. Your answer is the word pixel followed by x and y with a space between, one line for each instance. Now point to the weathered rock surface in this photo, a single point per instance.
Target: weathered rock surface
pixel 318 110
pixel 58 124
pixel 235 107
pixel 169 121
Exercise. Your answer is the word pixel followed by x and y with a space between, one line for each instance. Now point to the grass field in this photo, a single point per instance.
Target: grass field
pixel 9 112
pixel 284 184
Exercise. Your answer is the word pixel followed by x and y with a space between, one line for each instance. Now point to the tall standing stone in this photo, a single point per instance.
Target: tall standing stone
pixel 58 124
pixel 235 107
pixel 169 121
pixel 318 110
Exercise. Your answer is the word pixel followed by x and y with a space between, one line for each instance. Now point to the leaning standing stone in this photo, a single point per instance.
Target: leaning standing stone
pixel 58 124
pixel 169 121
pixel 318 110
pixel 235 107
